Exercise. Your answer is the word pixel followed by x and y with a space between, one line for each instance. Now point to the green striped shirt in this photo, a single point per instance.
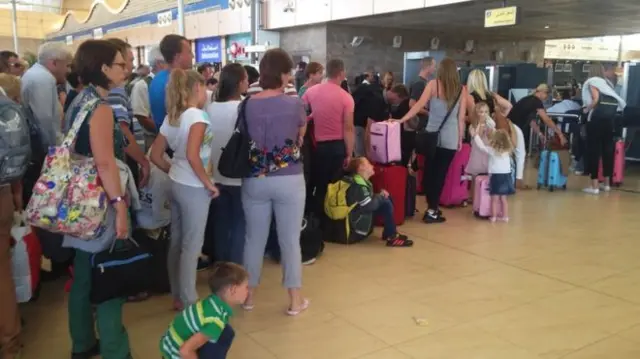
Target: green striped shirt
pixel 208 316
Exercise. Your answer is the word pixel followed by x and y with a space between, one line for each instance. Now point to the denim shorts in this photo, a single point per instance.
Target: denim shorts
pixel 501 184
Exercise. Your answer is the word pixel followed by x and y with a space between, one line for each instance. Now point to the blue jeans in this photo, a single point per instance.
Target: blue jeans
pixel 219 349
pixel 229 225
pixel 384 209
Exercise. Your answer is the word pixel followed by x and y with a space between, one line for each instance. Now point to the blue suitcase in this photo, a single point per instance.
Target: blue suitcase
pixel 549 172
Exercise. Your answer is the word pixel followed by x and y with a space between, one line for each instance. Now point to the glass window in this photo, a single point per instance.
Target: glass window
pixel 34 5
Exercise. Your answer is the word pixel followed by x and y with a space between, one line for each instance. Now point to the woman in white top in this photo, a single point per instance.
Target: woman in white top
pixel 229 224
pixel 601 103
pixel 187 132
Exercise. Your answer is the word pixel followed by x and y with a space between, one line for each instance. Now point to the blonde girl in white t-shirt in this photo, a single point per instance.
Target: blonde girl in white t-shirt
pixel 186 131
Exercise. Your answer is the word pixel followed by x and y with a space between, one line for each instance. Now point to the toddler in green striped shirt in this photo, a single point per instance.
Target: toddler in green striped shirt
pixel 201 331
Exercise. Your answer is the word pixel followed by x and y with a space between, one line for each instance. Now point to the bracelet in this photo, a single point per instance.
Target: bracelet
pixel 115 200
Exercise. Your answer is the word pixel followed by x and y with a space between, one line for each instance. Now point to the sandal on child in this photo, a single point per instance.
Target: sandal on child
pixel 303 307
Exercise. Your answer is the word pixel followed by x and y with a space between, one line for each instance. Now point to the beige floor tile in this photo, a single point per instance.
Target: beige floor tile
pixel 593 309
pixel 464 341
pixel 246 348
pixel 389 353
pixel 557 281
pixel 392 319
pixel 622 285
pixel 522 285
pixel 328 338
pixel 612 347
pixel 541 331
pixel 463 299
pixel 568 267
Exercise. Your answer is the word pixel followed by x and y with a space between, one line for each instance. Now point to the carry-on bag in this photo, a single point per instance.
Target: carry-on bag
pixel 482 198
pixel 618 165
pixel 393 179
pixel 385 142
pixel 550 172
pixel 119 272
pixel 26 254
pixel 157 243
pixel 456 186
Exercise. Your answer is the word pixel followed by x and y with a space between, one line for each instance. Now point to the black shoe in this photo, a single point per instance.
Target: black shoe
pixel 203 263
pixel 433 217
pixel 399 240
pixel 93 352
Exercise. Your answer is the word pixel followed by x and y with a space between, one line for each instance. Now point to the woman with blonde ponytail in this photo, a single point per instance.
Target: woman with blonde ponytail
pixel 187 133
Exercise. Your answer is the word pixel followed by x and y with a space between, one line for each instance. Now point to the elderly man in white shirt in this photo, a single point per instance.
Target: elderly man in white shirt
pixel 140 96
pixel 39 89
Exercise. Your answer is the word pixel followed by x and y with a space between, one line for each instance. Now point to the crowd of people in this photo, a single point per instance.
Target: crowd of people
pixel 170 124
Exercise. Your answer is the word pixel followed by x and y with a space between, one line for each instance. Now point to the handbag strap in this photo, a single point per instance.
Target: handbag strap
pixel 79 120
pixel 446 117
pixel 241 122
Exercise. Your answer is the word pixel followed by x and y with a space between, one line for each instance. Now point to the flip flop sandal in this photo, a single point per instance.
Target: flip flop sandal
pixel 303 307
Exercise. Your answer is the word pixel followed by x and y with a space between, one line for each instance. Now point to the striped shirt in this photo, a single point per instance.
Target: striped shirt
pixel 208 316
pixel 123 113
pixel 255 88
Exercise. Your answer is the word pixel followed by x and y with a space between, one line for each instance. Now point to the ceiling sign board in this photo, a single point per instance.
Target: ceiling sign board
pixel 504 16
pixel 580 49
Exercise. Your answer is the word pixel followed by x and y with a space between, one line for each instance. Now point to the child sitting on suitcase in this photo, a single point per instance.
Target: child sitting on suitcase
pixel 500 178
pixel 202 330
pixel 361 192
pixel 479 160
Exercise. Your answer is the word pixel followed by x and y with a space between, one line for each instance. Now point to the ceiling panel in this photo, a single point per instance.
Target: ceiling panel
pixel 564 18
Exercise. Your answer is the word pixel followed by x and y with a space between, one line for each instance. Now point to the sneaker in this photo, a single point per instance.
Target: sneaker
pixel 93 352
pixel 203 263
pixel 605 188
pixel 433 217
pixel 399 240
pixel 309 262
pixel 504 219
pixel 591 190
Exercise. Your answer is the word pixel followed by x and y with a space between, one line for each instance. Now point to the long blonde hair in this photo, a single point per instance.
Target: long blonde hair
pixel 180 91
pixel 501 142
pixel 477 82
pixel 450 79
pixel 596 70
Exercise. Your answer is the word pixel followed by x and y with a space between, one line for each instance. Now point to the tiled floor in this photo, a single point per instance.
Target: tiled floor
pixel 562 280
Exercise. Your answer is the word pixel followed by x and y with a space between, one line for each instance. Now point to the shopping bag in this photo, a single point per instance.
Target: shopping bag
pixel 26 255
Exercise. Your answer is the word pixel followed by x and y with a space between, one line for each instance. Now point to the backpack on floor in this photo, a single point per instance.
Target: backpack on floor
pixel 15 142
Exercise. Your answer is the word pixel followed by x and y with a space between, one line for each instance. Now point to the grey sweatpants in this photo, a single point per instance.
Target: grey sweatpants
pixel 262 197
pixel 189 212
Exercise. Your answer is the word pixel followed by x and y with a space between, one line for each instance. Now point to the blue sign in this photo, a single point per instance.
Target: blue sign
pixel 208 50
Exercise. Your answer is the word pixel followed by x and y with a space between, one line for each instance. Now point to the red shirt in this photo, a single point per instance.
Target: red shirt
pixel 329 103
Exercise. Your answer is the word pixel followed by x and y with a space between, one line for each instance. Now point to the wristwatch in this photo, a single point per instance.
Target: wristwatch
pixel 115 200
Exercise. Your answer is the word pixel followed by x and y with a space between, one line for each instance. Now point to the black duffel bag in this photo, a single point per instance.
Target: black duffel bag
pixel 159 250
pixel 119 272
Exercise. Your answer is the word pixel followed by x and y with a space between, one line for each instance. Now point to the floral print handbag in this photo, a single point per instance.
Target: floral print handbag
pixel 68 198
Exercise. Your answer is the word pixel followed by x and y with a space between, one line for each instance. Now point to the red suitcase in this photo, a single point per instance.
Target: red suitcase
pixel 393 179
pixel 456 186
pixel 618 165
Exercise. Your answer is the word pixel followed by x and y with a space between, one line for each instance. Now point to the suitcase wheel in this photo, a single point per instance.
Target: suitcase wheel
pixel 564 187
pixel 539 186
pixel 551 189
pixel 465 203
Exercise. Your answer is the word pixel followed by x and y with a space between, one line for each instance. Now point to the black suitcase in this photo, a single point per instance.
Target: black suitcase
pixel 158 248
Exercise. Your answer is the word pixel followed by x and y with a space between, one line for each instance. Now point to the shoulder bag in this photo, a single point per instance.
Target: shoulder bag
pixel 68 197
pixel 427 142
pixel 234 160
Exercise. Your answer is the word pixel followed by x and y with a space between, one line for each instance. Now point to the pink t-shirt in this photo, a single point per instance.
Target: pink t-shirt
pixel 329 103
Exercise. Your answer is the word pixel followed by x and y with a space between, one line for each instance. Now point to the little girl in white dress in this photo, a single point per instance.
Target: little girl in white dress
pixel 479 160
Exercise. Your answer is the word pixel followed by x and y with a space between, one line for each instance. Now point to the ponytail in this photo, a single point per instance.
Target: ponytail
pixel 180 91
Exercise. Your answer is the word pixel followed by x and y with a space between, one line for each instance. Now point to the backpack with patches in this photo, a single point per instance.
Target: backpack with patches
pixel 15 142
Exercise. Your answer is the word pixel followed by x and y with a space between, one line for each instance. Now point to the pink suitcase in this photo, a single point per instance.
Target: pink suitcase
pixel 482 198
pixel 618 165
pixel 385 142
pixel 456 185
